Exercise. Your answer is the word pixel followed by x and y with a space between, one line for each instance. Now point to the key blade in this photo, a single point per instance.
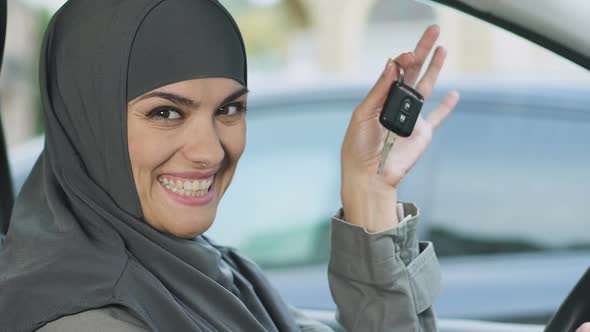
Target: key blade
pixel 389 141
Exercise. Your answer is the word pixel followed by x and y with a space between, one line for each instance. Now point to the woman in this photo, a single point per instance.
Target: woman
pixel 145 112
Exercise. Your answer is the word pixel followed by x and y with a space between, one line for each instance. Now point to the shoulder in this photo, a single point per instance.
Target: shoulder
pixel 107 319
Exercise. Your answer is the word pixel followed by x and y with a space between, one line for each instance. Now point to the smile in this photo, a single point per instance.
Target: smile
pixel 189 189
pixel 186 187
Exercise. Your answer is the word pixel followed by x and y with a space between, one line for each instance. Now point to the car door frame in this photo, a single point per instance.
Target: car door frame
pixel 6 192
pixel 520 30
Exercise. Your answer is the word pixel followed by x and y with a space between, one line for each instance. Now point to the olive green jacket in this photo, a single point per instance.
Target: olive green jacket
pixel 385 281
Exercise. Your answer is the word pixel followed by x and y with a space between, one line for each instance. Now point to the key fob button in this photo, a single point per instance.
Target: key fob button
pixel 407 104
pixel 402 118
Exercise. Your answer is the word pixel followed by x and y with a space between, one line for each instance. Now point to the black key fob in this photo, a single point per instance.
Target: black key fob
pixel 401 109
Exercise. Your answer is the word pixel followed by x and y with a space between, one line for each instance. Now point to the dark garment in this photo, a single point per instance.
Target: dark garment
pixel 384 281
pixel 77 238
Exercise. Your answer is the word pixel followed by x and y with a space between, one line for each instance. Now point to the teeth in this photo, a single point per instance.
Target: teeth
pixel 188 185
pixel 187 188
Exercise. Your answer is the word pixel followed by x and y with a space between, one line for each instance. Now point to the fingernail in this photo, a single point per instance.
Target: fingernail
pixel 388 68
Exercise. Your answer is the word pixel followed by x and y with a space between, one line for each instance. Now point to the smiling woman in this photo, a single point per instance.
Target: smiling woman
pixel 145 107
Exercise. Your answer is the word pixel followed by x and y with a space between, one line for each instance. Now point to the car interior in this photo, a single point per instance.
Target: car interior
pixel 574 311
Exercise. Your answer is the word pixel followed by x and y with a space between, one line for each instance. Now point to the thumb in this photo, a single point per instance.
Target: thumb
pixel 375 99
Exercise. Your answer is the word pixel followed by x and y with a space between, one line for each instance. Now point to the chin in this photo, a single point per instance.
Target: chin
pixel 188 229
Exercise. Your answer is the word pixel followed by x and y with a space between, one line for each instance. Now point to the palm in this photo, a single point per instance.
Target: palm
pixel 363 143
pixel 404 154
pixel 406 151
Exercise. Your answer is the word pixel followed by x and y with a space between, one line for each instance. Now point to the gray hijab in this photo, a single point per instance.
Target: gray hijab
pixel 77 238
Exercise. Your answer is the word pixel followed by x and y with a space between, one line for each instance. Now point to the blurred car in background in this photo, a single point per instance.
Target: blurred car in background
pixel 486 188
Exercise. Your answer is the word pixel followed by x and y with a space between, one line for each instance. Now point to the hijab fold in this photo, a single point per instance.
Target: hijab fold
pixel 77 238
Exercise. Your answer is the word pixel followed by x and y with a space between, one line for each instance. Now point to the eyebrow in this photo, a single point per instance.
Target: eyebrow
pixel 235 95
pixel 180 100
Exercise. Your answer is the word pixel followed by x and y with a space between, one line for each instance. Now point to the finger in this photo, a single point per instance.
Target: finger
pixel 374 100
pixel 422 50
pixel 584 328
pixel 427 82
pixel 446 106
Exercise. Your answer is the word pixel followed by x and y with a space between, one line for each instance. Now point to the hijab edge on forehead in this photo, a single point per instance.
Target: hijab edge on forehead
pixel 189 77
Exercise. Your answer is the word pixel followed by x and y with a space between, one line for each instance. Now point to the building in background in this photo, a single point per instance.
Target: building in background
pixel 18 78
pixel 294 41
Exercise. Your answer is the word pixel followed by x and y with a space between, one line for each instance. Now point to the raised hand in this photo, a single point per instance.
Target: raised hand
pixel 369 199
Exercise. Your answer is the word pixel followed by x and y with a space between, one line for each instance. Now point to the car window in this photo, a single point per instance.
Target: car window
pixel 511 176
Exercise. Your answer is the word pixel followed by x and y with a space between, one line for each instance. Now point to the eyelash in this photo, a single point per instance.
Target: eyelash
pixel 156 113
pixel 241 108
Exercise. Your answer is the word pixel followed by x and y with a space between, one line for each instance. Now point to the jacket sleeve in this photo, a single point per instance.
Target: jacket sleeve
pixel 307 324
pixel 385 281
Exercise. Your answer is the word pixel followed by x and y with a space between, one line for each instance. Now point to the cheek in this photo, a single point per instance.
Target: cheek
pixel 234 140
pixel 145 149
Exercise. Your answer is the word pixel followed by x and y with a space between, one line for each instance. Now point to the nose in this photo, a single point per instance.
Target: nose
pixel 202 144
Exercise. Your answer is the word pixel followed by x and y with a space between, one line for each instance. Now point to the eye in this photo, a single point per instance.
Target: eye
pixel 165 113
pixel 232 110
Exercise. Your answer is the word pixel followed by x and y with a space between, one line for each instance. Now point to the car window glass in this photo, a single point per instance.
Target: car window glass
pixel 511 177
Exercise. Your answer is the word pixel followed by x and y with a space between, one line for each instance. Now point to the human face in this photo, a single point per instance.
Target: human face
pixel 185 140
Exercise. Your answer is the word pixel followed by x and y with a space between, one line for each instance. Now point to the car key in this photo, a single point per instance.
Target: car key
pixel 400 113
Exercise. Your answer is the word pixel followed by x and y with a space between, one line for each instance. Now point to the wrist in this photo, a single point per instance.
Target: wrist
pixel 368 203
